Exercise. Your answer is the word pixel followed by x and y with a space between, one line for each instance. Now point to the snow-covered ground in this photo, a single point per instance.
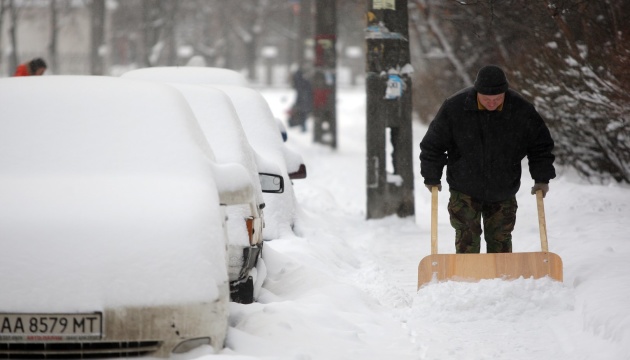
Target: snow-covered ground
pixel 345 287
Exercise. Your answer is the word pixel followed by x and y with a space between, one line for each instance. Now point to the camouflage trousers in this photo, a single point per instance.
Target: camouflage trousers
pixel 498 222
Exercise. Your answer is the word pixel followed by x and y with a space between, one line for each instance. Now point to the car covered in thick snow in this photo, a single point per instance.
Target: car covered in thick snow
pixel 111 226
pixel 223 130
pixel 217 76
pixel 262 132
pixel 260 127
pixel 189 75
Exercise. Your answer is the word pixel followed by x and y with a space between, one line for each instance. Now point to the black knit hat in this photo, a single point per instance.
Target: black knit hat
pixel 491 80
pixel 37 63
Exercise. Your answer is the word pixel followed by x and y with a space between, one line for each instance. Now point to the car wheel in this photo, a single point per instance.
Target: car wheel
pixel 243 291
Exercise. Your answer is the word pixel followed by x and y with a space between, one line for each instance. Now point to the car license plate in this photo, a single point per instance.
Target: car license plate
pixel 50 327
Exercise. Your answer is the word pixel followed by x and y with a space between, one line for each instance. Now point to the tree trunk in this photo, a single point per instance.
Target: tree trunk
pixel 169 13
pixel 97 37
pixel 2 11
pixel 13 57
pixel 447 48
pixel 251 45
pixel 306 28
pixel 228 54
pixel 52 45
pixel 149 33
pixel 250 57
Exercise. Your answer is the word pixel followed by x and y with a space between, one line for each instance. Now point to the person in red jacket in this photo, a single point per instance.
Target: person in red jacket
pixel 34 67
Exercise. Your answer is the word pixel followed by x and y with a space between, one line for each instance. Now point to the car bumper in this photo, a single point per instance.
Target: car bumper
pixel 137 331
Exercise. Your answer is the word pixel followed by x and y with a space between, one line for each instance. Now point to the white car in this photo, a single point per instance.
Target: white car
pixel 216 76
pixel 113 237
pixel 262 132
pixel 261 129
pixel 223 130
pixel 189 75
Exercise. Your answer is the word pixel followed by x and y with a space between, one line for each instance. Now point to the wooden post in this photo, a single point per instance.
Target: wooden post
pixel 325 77
pixel 388 85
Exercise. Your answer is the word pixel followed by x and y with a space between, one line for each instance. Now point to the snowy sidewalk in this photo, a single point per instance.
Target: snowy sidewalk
pixel 345 288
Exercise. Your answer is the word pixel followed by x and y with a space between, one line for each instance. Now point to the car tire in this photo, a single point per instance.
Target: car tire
pixel 243 291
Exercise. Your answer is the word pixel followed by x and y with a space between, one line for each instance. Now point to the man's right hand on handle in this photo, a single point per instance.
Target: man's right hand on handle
pixel 430 187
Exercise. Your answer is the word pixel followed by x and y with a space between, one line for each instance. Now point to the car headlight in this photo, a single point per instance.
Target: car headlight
pixel 190 344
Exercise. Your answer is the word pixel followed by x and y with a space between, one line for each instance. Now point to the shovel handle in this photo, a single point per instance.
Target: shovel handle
pixel 541 221
pixel 434 214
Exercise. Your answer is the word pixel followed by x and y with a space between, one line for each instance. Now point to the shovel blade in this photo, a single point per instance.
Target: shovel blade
pixel 474 267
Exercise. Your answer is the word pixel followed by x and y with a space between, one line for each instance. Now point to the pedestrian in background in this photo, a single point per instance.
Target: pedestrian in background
pixel 303 105
pixel 36 66
pixel 481 134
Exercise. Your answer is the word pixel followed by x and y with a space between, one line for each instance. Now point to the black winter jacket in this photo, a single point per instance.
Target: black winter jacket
pixel 483 150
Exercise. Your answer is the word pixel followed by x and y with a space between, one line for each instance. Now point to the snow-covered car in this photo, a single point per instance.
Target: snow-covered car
pixel 216 76
pixel 283 130
pixel 189 75
pixel 223 130
pixel 111 226
pixel 261 130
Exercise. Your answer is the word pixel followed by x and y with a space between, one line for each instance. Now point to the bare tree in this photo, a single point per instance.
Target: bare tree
pixel 151 26
pixel 589 102
pixel 53 55
pixel 249 29
pixel 159 45
pixel 445 44
pixel 3 9
pixel 445 58
pixel 211 25
pixel 170 14
pixel 569 57
pixel 226 33
pixel 97 37
pixel 13 17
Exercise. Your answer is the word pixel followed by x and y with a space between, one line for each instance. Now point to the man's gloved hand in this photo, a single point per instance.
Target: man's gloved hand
pixel 540 186
pixel 430 187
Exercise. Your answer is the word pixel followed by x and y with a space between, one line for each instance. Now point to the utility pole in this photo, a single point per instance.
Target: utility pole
pixel 325 77
pixel 302 11
pixel 388 85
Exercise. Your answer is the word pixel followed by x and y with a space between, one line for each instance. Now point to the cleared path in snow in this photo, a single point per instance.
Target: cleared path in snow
pixel 522 319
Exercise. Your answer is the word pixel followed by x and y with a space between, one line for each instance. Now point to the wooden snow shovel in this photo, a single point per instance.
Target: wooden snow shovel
pixel 474 267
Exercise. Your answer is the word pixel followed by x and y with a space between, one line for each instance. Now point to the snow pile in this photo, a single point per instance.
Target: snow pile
pixel 345 288
pixel 342 287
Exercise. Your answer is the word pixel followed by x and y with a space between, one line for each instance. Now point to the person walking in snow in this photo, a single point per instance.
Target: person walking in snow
pixel 36 66
pixel 303 105
pixel 481 134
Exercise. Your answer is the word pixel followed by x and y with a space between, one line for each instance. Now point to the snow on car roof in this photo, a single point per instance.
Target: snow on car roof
pixel 118 125
pixel 106 184
pixel 221 126
pixel 258 121
pixel 189 75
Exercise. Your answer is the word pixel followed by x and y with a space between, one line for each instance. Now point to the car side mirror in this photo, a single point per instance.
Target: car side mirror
pixel 271 183
pixel 299 174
